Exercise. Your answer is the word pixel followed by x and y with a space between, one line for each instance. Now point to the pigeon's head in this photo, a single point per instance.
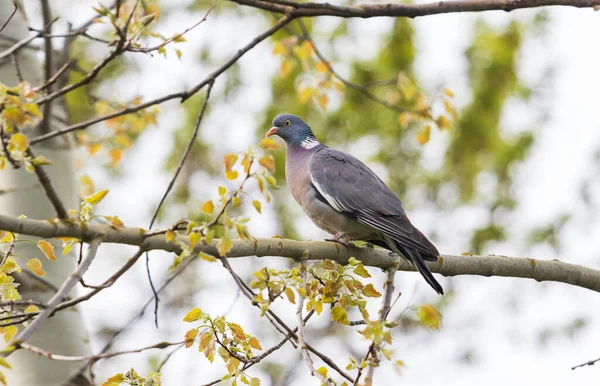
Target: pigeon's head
pixel 293 130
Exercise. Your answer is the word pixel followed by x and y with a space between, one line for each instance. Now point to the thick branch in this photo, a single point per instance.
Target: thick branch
pixel 298 9
pixel 448 265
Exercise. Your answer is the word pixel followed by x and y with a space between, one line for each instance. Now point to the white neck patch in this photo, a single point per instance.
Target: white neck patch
pixel 309 143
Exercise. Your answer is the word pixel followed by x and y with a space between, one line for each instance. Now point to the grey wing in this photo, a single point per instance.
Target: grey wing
pixel 350 187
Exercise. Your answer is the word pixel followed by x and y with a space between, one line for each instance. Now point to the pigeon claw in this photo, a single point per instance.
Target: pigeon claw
pixel 342 239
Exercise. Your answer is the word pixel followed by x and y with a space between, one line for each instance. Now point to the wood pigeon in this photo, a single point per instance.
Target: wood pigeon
pixel 342 196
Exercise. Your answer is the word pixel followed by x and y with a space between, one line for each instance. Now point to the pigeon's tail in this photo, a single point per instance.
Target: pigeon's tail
pixel 415 258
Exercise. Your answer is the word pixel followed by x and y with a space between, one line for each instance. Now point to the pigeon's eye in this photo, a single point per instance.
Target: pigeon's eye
pixel 287 123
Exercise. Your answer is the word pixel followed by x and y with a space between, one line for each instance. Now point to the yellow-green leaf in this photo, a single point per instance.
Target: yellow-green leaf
pixel 237 330
pixel 254 381
pixel 229 161
pixel 6 237
pixel 370 291
pixel 170 236
pixel 322 67
pixel 47 248
pixel 10 266
pixel 323 371
pixel 35 266
pixel 190 336
pixel 269 143
pixel 254 343
pixel 318 307
pixel 224 245
pixel 246 163
pixel 40 160
pixel 268 162
pixel 278 48
pixel 305 94
pixel 115 156
pixel 286 67
pixel 443 122
pixel 323 100
pixel 9 332
pixel 193 315
pixel 231 174
pixel 423 135
pixel 429 316
pixel 32 308
pixel 18 141
pixel 222 191
pixel 4 362
pixel 339 314
pixel 207 257
pixel 256 204
pixel 193 239
pixel 232 365
pixel 361 271
pixel 208 207
pixel 95 198
pixel 176 262
pixel 290 295
pixel 115 379
pixel 449 92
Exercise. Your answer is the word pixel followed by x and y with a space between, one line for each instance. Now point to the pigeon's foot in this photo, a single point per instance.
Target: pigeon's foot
pixel 341 238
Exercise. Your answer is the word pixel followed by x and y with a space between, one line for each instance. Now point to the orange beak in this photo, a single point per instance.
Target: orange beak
pixel 272 131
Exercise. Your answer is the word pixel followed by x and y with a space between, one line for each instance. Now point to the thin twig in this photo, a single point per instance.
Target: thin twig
pixel 588 363
pixel 10 17
pixel 18 45
pixel 44 179
pixel 14 58
pixel 170 186
pixel 161 45
pixel 357 87
pixel 183 95
pixel 71 358
pixel 55 77
pixel 63 291
pixel 383 313
pixel 86 79
pixel 249 293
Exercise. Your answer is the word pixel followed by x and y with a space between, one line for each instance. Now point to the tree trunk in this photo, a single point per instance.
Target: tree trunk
pixel 65 332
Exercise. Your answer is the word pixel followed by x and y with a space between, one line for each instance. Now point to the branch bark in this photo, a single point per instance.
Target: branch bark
pixel 298 9
pixel 448 265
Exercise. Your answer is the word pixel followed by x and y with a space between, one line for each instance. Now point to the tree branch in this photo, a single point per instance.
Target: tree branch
pixel 298 9
pixel 448 265
pixel 62 292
